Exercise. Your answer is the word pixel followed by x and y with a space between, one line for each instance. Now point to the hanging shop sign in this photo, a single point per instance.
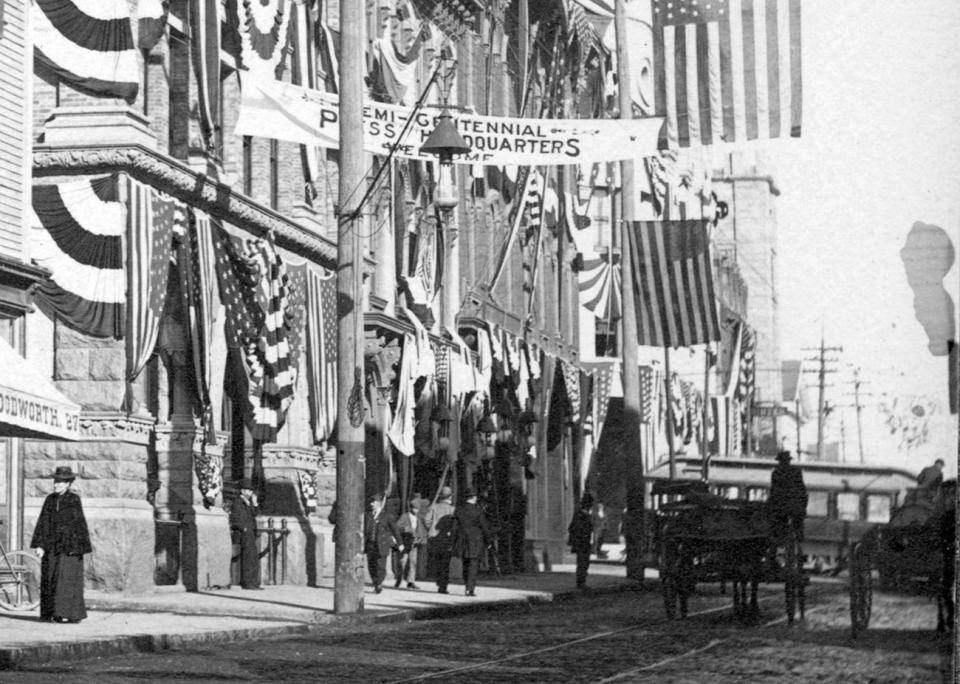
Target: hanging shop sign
pixel 312 117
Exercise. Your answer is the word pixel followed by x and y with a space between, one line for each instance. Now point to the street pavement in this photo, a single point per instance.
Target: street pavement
pixel 173 618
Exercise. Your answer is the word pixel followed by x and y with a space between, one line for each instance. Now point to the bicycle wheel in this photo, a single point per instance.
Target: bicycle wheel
pixel 19 581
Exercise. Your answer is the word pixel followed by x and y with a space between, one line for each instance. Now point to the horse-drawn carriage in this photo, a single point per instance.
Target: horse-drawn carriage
pixel 916 549
pixel 702 537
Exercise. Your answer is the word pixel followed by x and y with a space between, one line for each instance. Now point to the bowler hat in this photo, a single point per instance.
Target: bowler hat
pixel 783 456
pixel 586 501
pixel 64 474
pixel 469 493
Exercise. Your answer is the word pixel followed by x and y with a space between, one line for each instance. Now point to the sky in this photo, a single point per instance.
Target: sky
pixel 880 149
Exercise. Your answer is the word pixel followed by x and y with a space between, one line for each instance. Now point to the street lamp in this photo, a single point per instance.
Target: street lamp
pixel 445 142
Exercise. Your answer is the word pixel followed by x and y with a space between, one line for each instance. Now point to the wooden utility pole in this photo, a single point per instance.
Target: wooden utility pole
pixel 348 581
pixel 821 380
pixel 636 497
pixel 856 398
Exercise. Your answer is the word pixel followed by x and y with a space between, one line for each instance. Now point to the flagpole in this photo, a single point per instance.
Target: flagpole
pixel 705 454
pixel 636 494
pixel 671 419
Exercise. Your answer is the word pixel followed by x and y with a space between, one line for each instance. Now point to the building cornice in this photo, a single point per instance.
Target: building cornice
pixel 180 181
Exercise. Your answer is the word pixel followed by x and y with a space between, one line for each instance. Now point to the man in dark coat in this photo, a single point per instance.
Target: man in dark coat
pixel 441 531
pixel 579 533
pixel 243 524
pixel 787 502
pixel 473 537
pixel 929 481
pixel 61 538
pixel 380 535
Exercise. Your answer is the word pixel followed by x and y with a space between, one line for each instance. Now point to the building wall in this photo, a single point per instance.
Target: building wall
pixel 15 63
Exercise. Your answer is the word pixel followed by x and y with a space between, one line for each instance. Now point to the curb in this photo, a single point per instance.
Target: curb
pixel 16 657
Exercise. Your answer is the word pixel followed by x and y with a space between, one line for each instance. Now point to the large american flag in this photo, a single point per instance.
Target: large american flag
pixel 321 305
pixel 727 70
pixel 650 381
pixel 674 289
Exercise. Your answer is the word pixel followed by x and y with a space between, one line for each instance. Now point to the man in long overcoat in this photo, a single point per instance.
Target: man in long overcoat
pixel 441 527
pixel 61 539
pixel 787 502
pixel 579 534
pixel 243 524
pixel 473 537
pixel 380 535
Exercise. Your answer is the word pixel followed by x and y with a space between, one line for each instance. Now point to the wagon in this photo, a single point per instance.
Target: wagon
pixel 704 538
pixel 906 553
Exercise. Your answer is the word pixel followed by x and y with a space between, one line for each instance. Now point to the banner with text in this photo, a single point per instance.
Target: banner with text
pixel 311 117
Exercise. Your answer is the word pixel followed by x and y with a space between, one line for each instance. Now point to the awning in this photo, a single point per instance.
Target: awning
pixel 30 406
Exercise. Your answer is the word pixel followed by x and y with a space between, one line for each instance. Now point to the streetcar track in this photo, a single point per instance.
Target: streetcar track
pixel 602 635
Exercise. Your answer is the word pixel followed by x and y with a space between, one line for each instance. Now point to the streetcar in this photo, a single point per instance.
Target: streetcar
pixel 845 500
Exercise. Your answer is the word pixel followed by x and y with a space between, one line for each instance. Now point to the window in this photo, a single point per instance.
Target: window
pixel 848 506
pixel 818 504
pixel 606 338
pixel 878 508
pixel 757 494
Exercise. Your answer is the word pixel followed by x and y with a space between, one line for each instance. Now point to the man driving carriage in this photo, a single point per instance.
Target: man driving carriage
pixel 787 502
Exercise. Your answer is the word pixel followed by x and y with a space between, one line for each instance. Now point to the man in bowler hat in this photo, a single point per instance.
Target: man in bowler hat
pixel 787 501
pixel 473 538
pixel 441 525
pixel 243 525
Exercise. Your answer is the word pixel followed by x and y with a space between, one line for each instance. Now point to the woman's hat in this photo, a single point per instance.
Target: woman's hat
pixel 64 474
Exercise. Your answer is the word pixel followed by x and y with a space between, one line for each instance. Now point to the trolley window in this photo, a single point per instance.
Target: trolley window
pixel 756 494
pixel 878 508
pixel 818 504
pixel 848 506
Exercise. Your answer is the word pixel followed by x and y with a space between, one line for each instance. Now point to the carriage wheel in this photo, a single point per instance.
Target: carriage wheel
pixel 668 579
pixel 19 581
pixel 861 588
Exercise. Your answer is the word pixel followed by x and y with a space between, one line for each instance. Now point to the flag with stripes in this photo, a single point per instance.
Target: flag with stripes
pixel 727 70
pixel 152 218
pixel 88 45
pixel 718 426
pixel 650 382
pixel 673 284
pixel 528 195
pixel 78 237
pixel 205 46
pixel 321 352
pixel 747 375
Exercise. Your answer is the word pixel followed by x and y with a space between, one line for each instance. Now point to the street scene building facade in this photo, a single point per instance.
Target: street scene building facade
pixel 174 282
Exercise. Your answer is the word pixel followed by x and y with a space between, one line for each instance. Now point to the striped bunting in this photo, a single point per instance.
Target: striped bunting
pixel 78 237
pixel 152 217
pixel 88 44
pixel 205 47
pixel 674 288
pixel 727 70
pixel 321 350
pixel 599 285
pixel 151 22
pixel 718 426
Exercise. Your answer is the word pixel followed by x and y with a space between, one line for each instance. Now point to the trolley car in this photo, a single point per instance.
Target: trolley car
pixel 845 500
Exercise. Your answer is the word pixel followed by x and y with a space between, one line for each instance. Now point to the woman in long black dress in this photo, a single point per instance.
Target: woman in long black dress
pixel 61 538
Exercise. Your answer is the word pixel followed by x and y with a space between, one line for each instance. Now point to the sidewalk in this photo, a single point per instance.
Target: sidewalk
pixel 176 619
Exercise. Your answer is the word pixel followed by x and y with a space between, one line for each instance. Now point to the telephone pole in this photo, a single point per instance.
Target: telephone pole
pixel 348 580
pixel 859 407
pixel 636 493
pixel 821 379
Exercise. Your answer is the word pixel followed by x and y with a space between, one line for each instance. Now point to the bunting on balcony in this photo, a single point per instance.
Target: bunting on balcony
pixel 264 315
pixel 88 44
pixel 78 237
pixel 152 218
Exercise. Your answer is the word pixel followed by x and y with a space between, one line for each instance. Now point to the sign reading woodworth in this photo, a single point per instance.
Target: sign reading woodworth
pixel 38 414
pixel 312 117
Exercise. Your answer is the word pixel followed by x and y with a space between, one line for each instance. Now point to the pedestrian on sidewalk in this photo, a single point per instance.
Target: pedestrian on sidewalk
pixel 473 538
pixel 379 536
pixel 413 537
pixel 61 539
pixel 243 528
pixel 579 533
pixel 599 515
pixel 441 528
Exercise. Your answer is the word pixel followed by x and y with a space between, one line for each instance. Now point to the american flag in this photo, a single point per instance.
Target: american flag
pixel 674 289
pixel 602 386
pixel 571 380
pixel 650 382
pixel 152 217
pixel 205 45
pixel 727 70
pixel 321 308
pixel 748 350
